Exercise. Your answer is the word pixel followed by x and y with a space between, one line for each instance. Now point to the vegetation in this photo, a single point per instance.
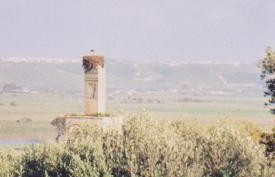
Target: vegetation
pixel 100 114
pixel 268 139
pixel 13 103
pixel 145 148
pixel 268 75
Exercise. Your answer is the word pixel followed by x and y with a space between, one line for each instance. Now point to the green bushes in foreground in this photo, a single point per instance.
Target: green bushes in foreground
pixel 146 148
pixel 268 139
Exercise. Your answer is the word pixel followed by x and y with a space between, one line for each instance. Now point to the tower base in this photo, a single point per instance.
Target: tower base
pixel 67 124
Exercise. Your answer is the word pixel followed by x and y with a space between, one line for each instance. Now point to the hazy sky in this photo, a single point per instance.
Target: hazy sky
pixel 138 29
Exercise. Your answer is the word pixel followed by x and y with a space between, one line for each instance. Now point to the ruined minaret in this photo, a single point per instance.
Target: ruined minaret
pixel 94 70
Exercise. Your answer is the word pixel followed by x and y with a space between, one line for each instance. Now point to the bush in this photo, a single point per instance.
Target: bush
pixel 13 103
pixel 147 148
pixel 268 139
pixel 9 165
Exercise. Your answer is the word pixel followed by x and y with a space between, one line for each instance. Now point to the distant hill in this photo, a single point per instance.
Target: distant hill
pixel 66 76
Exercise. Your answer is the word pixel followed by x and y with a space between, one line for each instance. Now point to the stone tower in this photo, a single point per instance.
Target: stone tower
pixel 94 70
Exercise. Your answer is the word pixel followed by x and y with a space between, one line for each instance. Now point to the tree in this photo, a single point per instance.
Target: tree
pixel 267 66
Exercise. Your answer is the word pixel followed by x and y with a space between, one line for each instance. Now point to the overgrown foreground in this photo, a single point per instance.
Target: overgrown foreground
pixel 147 148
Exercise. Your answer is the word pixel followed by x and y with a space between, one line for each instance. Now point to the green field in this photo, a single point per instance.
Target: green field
pixel 41 109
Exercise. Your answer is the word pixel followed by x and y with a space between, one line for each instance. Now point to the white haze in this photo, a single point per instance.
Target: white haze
pixel 218 30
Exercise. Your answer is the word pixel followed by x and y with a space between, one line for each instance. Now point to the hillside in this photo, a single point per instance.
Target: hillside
pixel 66 76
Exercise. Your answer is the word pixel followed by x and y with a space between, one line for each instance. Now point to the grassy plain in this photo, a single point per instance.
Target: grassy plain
pixel 41 109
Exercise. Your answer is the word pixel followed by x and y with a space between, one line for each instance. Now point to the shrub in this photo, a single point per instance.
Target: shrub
pixel 9 165
pixel 268 139
pixel 149 148
pixel 13 103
